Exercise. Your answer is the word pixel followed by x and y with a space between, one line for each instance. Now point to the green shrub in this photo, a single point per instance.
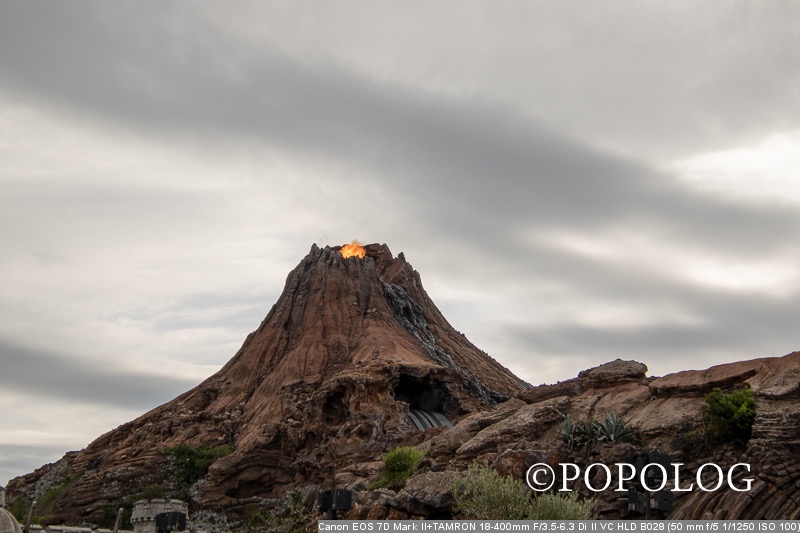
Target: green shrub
pixel 695 442
pixel 398 465
pixel 188 465
pixel 48 501
pixel 483 494
pixel 557 507
pixel 729 417
pixel 19 508
pixel 152 492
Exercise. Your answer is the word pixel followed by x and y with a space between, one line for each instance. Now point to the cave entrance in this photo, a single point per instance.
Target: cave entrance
pixel 334 411
pixel 425 403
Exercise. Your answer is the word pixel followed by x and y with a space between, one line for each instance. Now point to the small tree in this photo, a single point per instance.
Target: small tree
pixel 729 417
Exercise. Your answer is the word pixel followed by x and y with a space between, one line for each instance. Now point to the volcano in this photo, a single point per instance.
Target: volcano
pixel 353 360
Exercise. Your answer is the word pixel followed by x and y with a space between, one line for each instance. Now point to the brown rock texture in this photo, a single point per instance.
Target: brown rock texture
pixel 321 389
pixel 663 411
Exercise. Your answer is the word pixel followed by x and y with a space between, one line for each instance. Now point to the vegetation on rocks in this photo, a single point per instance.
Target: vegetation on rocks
pixel 483 494
pixel 578 434
pixel 19 508
pixel 398 465
pixel 188 464
pixel 45 504
pixel 729 417
pixel 290 514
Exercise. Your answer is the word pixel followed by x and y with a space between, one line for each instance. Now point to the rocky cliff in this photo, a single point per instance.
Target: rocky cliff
pixel 666 416
pixel 351 360
pixel 354 359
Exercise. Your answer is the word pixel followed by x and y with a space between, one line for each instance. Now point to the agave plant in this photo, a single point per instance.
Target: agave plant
pixel 585 432
pixel 568 431
pixel 613 428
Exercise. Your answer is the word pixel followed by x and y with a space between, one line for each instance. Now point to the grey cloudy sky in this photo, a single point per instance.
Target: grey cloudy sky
pixel 574 181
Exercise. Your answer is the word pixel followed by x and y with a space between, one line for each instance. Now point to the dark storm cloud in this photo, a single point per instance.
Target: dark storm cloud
pixel 51 375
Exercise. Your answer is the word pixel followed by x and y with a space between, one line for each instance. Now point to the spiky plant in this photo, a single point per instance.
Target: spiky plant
pixel 586 433
pixel 613 428
pixel 568 431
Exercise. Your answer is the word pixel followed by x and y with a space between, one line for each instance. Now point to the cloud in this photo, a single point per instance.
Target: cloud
pixel 164 169
pixel 453 157
pixel 652 78
pixel 16 460
pixel 68 378
pixel 761 173
pixel 460 170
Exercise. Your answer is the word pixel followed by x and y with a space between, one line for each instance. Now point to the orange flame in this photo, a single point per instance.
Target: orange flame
pixel 354 248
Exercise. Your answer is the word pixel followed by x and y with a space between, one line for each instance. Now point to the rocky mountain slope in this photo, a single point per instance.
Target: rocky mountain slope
pixel 352 347
pixel 665 414
pixel 354 360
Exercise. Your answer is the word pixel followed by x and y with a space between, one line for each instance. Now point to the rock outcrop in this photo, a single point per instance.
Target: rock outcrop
pixel 321 389
pixel 324 387
pixel 666 414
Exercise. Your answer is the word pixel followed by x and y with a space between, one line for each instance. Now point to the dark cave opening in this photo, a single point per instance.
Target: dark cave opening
pixel 426 402
pixel 419 395
pixel 333 410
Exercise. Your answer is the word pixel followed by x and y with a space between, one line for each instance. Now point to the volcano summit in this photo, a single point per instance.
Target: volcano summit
pixel 352 360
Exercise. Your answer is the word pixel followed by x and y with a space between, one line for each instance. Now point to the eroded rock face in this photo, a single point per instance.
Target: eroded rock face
pixel 663 411
pixel 320 389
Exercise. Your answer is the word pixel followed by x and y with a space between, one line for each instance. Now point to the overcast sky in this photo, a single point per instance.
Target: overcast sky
pixel 575 182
